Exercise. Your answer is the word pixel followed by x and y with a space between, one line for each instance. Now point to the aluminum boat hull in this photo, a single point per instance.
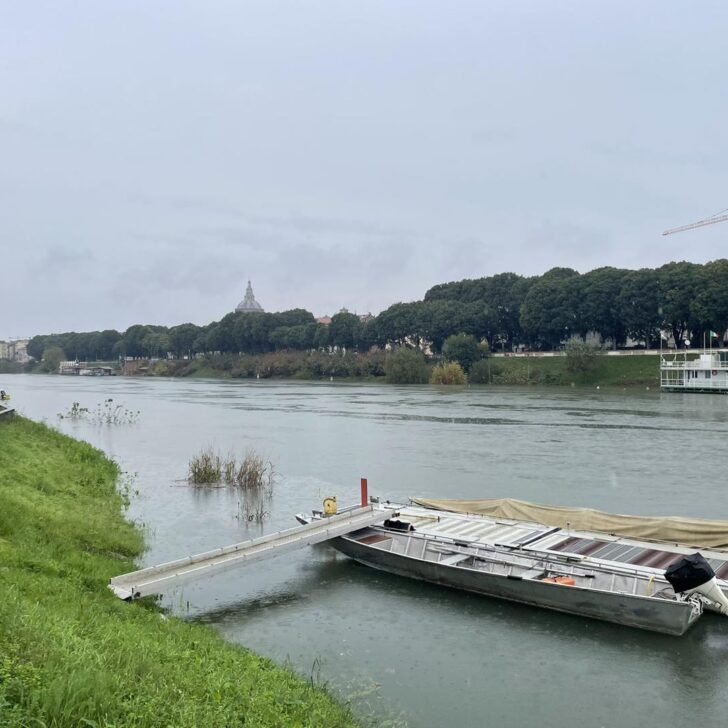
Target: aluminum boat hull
pixel 631 610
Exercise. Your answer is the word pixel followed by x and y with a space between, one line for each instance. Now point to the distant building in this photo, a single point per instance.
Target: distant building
pixel 4 350
pixel 248 304
pixel 18 351
pixel 326 320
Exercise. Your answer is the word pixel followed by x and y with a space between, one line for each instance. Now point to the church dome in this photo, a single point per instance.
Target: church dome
pixel 248 304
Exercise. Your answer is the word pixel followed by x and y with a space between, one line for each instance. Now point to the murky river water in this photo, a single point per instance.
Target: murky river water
pixel 405 652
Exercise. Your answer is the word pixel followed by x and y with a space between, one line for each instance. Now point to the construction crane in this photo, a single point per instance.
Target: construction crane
pixel 718 217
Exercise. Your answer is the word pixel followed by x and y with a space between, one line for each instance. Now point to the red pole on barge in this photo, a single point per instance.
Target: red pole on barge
pixel 364 492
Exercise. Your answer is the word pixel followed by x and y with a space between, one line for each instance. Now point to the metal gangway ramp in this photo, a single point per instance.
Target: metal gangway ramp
pixel 155 579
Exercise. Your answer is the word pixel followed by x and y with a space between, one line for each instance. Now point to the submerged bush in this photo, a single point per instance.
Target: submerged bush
pixel 109 413
pixel 406 366
pixel 448 373
pixel 75 412
pixel 206 468
pixel 105 413
pixel 254 473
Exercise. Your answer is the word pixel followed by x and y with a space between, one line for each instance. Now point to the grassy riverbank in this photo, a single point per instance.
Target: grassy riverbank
pixel 608 371
pixel 617 371
pixel 73 654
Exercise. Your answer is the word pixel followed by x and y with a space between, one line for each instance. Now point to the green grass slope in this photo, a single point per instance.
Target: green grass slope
pixel 616 371
pixel 72 654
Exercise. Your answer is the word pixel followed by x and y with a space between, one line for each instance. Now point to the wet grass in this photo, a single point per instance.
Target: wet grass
pixel 70 652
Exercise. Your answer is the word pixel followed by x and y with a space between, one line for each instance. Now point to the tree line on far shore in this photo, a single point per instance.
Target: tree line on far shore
pixel 689 301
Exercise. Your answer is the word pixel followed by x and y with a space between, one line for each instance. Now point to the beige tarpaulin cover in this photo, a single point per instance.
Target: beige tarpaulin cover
pixel 687 531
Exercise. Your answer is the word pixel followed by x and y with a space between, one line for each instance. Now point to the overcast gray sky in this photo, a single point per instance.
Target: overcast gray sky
pixel 155 155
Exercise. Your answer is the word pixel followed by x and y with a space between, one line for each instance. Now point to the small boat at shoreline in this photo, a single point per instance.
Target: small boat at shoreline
pixel 645 583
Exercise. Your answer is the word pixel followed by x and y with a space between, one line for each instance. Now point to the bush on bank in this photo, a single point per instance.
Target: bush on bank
pixel 449 372
pixel 284 365
pixel 582 356
pixel 71 653
pixel 406 366
pixel 465 349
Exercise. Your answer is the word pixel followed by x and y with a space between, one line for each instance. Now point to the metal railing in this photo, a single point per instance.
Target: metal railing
pixel 697 384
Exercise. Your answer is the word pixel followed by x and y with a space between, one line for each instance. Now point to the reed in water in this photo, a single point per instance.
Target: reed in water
pixel 253 473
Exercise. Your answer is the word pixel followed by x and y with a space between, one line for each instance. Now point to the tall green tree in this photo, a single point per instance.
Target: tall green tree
pixel 549 311
pixel 133 338
pixel 500 298
pixel 638 305
pixel 156 344
pixel 36 346
pixel 294 317
pixel 598 304
pixel 463 349
pixel 344 330
pixel 182 340
pixel 397 323
pixel 436 320
pixel 52 358
pixel 709 306
pixel 679 284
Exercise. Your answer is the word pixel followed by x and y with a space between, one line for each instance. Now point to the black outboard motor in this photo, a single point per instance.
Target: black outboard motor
pixel 692 574
pixel 397 525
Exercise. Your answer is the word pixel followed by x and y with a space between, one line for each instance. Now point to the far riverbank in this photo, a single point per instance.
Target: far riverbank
pixel 616 371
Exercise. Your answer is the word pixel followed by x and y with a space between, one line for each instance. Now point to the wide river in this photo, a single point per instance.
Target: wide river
pixel 406 653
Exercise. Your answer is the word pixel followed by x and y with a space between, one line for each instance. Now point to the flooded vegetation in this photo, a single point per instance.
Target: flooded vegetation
pixel 107 412
pixel 205 468
pixel 252 472
pixel 252 476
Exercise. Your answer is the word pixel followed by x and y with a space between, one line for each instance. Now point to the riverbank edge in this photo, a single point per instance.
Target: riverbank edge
pixel 605 371
pixel 71 652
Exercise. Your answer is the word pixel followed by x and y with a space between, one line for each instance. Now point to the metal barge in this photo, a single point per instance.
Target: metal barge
pixel 606 577
pixel 633 571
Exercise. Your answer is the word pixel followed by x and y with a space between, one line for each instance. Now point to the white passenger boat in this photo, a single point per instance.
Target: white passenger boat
pixel 647 583
pixel 695 371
